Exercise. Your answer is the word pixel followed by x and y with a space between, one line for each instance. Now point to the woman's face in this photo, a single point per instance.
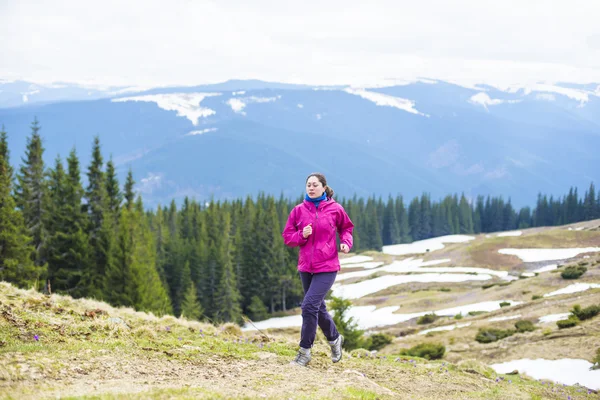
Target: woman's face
pixel 314 187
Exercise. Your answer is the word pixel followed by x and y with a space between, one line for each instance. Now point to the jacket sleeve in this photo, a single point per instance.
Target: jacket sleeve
pixel 345 228
pixel 292 236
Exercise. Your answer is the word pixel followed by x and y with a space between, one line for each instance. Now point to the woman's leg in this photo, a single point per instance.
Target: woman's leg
pixel 326 323
pixel 314 311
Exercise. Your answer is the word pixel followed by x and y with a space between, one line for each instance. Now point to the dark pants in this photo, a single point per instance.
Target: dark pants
pixel 314 310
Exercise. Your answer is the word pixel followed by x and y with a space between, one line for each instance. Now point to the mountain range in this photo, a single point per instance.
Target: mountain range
pixel 239 138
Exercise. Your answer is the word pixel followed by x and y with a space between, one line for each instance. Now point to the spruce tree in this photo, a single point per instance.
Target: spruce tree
pixel 100 228
pixel 151 294
pixel 190 307
pixel 227 295
pixel 31 193
pixel 391 229
pixel 16 263
pixel 113 193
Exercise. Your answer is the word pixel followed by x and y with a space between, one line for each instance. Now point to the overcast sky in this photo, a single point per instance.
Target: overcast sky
pixel 154 42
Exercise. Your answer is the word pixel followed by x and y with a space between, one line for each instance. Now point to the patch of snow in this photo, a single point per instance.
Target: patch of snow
pixel 497 319
pixel 566 371
pixel 488 236
pixel 370 316
pixel 545 269
pixel 404 266
pixel 580 228
pixel 485 100
pixel 201 132
pixel 513 233
pixel 239 103
pixel 574 288
pixel 553 318
pixel 423 246
pixel 186 104
pixel 548 90
pixel 510 278
pixel 385 100
pixel 444 328
pixel 360 289
pixel 290 321
pixel 528 274
pixel 355 259
pixel 534 255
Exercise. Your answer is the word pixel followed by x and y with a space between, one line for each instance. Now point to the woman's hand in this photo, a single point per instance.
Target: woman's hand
pixel 344 248
pixel 307 231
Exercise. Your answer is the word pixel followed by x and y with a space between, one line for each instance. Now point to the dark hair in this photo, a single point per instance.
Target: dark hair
pixel 328 190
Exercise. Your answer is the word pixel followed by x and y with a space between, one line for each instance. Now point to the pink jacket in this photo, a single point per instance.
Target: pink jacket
pixel 318 252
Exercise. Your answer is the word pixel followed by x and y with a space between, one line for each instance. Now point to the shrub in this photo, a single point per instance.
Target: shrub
pixel 345 324
pixel 429 351
pixel 585 313
pixel 489 335
pixel 229 328
pixel 378 341
pixel 488 285
pixel 596 360
pixel 567 323
pixel 257 309
pixel 458 316
pixel 474 313
pixel 573 272
pixel 546 331
pixel 504 304
pixel 445 289
pixel 524 326
pixel 427 319
pixel 536 297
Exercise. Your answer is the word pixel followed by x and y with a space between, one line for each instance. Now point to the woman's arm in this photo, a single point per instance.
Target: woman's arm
pixel 292 236
pixel 345 228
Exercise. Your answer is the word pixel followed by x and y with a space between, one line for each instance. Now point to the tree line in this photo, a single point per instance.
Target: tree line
pixel 216 261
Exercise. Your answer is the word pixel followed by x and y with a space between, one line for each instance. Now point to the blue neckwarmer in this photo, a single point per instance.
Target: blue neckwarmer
pixel 317 200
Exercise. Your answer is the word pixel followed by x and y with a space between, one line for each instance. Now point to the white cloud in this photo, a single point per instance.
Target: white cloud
pixel 186 104
pixel 190 42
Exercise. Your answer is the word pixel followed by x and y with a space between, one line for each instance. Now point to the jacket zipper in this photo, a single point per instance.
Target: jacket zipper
pixel 312 250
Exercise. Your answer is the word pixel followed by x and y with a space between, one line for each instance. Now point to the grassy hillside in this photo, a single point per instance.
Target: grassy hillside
pixel 54 346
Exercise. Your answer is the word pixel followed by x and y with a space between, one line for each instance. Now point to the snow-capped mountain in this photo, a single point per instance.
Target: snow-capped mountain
pixel 242 137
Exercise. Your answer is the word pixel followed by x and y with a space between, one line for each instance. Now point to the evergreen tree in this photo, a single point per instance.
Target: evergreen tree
pixel 100 228
pixel 414 219
pixel 151 295
pixel 465 216
pixel 16 264
pixel 129 194
pixel 120 276
pixel 113 193
pixel 190 307
pixel 402 221
pixel 391 229
pixel 227 296
pixel 31 193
